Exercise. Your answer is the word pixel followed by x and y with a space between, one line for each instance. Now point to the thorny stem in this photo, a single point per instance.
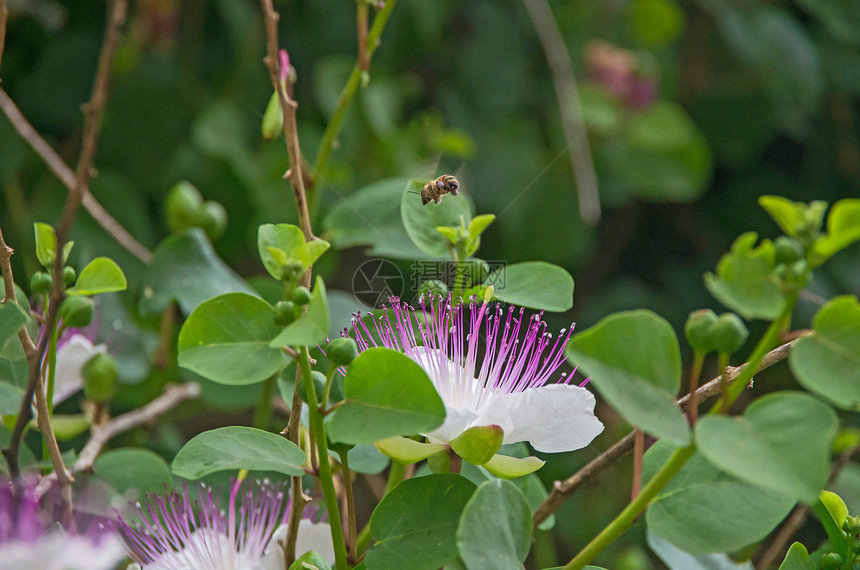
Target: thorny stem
pixel 563 489
pixel 346 96
pixel 567 93
pixel 677 460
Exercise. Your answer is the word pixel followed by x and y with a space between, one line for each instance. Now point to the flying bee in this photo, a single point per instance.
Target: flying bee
pixel 435 189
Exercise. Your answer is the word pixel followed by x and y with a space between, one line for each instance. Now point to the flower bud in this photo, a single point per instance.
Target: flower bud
pixel 700 330
pixel 184 204
pixel 285 312
pixel 342 351
pixel 788 250
pixel 40 283
pixel 213 219
pixel 69 276
pixel 318 379
pixel 730 333
pixel 77 312
pixel 301 296
pixel 101 378
pixel 851 526
pixel 830 561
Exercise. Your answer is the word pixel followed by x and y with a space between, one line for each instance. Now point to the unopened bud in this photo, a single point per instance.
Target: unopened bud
pixel 700 330
pixel 301 296
pixel 101 378
pixel 77 312
pixel 342 351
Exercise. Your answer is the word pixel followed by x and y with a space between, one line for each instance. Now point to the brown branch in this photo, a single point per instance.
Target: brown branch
pixel 567 93
pixel 361 25
pixel 799 515
pixel 561 490
pixel 65 174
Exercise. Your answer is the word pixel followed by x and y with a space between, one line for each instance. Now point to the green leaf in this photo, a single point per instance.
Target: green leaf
pixel 312 327
pixel 634 361
pixel 843 228
pixel 797 558
pixel 404 450
pixel 495 529
pixel 285 237
pixel 387 394
pixel 67 426
pixel 781 443
pixel 421 221
pixel 46 244
pixel 234 448
pixel 10 398
pixel 700 496
pixel 187 270
pixel 12 318
pixel 371 216
pixel 309 252
pixel 479 224
pixel 533 284
pixel 226 339
pixel 367 459
pixel 788 214
pixel 678 559
pixel 655 23
pixel 417 522
pixel 451 233
pixel 140 470
pixel 835 506
pixel 310 561
pixel 827 361
pixel 512 467
pixel 101 275
pixel 745 282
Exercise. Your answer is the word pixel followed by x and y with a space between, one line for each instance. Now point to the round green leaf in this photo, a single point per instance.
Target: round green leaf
pixel 533 284
pixel 634 361
pixel 421 221
pixel 674 557
pixel 187 270
pixel 101 275
pixel 12 318
pixel 226 340
pixel 417 522
pixel 141 470
pixel 10 399
pixel 283 238
pixel 736 513
pixel 236 447
pixel 781 443
pixel 843 227
pixel 387 394
pixel 827 362
pixel 495 530
pixel 797 558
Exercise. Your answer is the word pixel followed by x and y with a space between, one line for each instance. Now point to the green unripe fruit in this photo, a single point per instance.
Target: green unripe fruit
pixel 77 312
pixel 213 220
pixel 101 378
pixel 788 250
pixel 433 288
pixel 285 312
pixel 184 205
pixel 301 296
pixel 318 379
pixel 830 561
pixel 40 283
pixel 342 351
pixel 730 333
pixel 69 276
pixel 700 330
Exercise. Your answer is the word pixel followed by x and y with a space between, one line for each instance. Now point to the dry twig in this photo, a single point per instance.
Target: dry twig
pixel 563 489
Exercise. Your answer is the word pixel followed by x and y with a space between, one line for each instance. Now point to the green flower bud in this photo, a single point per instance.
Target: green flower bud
pixel 318 379
pixel 433 287
pixel 342 351
pixel 852 525
pixel 798 268
pixel 730 333
pixel 184 205
pixel 788 250
pixel 77 311
pixel 285 312
pixel 101 378
pixel 292 271
pixel 830 561
pixel 213 220
pixel 273 118
pixel 40 283
pixel 301 296
pixel 700 330
pixel 69 276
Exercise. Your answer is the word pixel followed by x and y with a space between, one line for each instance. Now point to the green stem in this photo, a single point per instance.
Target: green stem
pixel 624 520
pixel 52 369
pixel 395 476
pixel 350 504
pixel 328 382
pixel 263 413
pixel 325 477
pixel 346 96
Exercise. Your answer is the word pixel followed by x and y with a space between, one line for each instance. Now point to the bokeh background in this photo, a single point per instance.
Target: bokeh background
pixel 693 109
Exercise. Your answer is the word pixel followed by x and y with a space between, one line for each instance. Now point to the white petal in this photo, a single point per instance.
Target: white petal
pixel 58 551
pixel 71 358
pixel 456 421
pixel 312 536
pixel 273 559
pixel 552 418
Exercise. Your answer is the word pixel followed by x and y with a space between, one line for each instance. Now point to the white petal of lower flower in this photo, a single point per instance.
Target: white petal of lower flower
pixel 58 551
pixel 312 536
pixel 71 358
pixel 553 418
pixel 456 422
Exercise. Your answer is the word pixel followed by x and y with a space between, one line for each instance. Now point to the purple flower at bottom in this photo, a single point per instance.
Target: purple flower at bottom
pixel 178 533
pixel 506 382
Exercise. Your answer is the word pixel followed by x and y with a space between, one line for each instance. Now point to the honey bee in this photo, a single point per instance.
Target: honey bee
pixel 435 189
